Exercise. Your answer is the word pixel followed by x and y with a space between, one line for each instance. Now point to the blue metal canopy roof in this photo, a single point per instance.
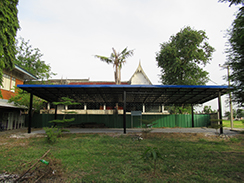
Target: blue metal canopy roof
pixel 163 94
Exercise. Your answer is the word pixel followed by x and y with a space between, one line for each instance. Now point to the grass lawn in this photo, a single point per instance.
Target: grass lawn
pixel 117 158
pixel 236 124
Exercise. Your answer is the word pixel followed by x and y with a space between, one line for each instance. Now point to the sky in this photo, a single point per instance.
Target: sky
pixel 70 33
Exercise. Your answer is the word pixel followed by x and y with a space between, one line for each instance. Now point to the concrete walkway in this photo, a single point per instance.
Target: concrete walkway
pixel 205 130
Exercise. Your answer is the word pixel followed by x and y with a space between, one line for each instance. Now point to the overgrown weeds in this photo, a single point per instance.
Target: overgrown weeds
pixel 152 154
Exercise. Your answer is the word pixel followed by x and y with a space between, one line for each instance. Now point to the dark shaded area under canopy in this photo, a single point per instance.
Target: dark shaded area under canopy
pixel 152 94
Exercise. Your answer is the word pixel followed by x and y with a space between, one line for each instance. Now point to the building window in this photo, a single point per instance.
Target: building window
pixel 8 83
pixel 13 81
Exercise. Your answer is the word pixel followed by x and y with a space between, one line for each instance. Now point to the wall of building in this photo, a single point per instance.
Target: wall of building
pixel 10 116
pixel 88 111
pixel 139 79
pixel 11 119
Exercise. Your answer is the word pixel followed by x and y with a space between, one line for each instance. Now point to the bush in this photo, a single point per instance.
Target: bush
pixel 52 134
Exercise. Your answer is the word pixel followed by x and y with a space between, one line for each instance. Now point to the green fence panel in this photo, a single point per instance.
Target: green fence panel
pixel 116 121
pixel 46 118
pixel 201 120
pixel 161 120
pixel 183 120
pixel 36 121
pixel 136 121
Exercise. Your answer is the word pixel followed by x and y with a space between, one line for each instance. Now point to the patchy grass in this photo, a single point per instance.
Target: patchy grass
pixel 236 124
pixel 117 158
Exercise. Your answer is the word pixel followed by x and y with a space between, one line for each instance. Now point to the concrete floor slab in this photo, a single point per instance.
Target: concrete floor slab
pixel 210 131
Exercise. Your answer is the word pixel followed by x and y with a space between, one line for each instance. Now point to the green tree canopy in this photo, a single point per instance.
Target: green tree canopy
pixel 31 60
pixel 117 59
pixel 227 114
pixel 208 110
pixel 175 109
pixel 22 98
pixel 235 2
pixel 179 58
pixel 235 53
pixel 240 113
pixel 61 123
pixel 8 28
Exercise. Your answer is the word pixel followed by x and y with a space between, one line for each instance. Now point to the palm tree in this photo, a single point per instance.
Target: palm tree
pixel 117 59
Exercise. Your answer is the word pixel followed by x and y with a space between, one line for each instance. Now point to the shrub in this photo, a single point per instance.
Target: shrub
pixel 52 134
pixel 61 123
pixel 215 124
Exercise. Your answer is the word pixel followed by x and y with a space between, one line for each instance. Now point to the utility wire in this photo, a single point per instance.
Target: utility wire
pixel 213 81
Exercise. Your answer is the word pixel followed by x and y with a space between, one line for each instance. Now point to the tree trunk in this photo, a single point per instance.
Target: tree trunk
pixel 181 110
pixel 116 75
pixel 119 76
pixel 116 108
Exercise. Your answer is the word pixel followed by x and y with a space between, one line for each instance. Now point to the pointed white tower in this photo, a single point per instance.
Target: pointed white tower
pixel 139 77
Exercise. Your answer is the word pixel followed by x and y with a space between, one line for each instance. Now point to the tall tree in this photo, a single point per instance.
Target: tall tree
pixel 208 110
pixel 235 54
pixel 117 59
pixel 240 113
pixel 235 2
pixel 22 98
pixel 179 58
pixel 8 28
pixel 31 60
pixel 227 114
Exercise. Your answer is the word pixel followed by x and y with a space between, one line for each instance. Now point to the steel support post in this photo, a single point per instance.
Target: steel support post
pixel 192 115
pixel 124 114
pixel 220 114
pixel 30 113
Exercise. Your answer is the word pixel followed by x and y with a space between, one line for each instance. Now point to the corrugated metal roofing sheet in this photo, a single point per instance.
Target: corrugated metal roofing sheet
pixel 164 94
pixel 28 74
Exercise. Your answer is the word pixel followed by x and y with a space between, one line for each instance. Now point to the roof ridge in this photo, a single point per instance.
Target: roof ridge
pixel 140 69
